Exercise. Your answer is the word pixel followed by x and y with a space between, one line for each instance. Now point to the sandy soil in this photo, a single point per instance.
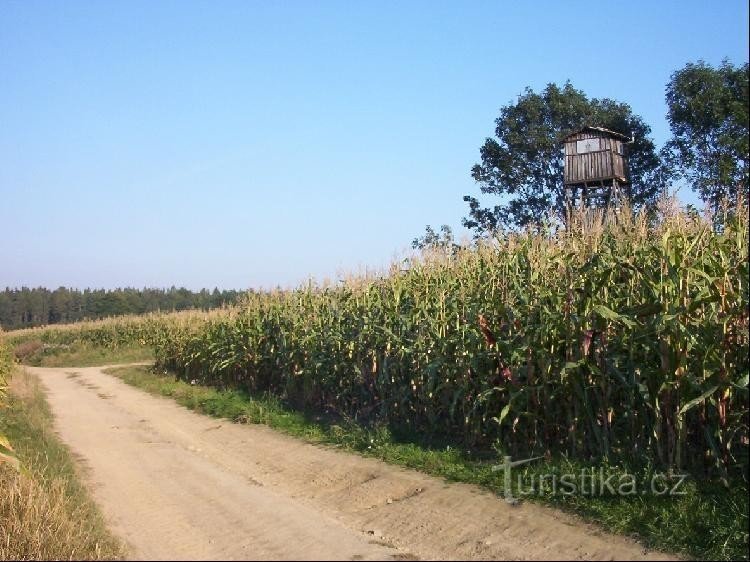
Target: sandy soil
pixel 178 485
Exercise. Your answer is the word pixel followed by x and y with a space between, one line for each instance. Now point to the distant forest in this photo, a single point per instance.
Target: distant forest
pixel 25 308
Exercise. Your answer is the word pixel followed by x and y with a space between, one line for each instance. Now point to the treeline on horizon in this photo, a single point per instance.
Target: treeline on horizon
pixel 30 307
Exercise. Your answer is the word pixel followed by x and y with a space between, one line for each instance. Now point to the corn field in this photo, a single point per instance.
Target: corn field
pixel 618 339
pixel 6 364
pixel 608 339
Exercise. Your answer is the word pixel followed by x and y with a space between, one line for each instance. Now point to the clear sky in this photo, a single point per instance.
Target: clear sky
pixel 252 144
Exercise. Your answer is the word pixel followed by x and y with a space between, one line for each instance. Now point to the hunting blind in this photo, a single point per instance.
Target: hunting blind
pixel 595 166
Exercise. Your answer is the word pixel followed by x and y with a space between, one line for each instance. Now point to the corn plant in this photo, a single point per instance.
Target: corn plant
pixel 6 364
pixel 617 337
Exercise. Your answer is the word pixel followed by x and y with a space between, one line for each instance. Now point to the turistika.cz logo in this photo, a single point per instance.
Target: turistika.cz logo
pixel 586 482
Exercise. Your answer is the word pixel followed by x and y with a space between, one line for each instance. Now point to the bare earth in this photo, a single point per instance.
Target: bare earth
pixel 178 485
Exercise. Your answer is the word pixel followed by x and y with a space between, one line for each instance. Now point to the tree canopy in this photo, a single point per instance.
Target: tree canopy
pixel 431 239
pixel 25 307
pixel 524 161
pixel 708 115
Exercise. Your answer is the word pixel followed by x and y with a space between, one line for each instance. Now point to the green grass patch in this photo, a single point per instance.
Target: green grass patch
pixel 79 354
pixel 706 521
pixel 46 512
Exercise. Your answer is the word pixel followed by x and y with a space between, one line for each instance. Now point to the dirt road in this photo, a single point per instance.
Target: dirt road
pixel 177 485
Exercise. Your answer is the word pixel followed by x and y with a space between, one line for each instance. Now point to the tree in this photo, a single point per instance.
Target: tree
pixel 708 115
pixel 24 307
pixel 524 162
pixel 434 240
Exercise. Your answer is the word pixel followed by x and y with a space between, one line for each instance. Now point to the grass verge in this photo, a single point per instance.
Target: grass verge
pixel 704 521
pixel 45 511
pixel 79 354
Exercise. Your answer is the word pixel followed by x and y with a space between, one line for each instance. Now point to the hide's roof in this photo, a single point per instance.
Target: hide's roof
pixel 599 130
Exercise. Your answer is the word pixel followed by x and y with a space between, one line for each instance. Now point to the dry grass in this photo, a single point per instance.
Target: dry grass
pixel 41 522
pixel 45 512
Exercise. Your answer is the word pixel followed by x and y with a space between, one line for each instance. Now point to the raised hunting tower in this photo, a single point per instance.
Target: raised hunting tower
pixel 595 166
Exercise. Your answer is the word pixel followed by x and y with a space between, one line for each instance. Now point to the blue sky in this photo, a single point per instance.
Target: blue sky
pixel 253 144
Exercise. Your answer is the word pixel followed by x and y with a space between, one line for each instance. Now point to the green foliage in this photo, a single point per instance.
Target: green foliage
pixel 708 114
pixel 81 354
pixel 524 162
pixel 610 340
pixel 443 240
pixel 24 307
pixel 111 333
pixel 6 365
